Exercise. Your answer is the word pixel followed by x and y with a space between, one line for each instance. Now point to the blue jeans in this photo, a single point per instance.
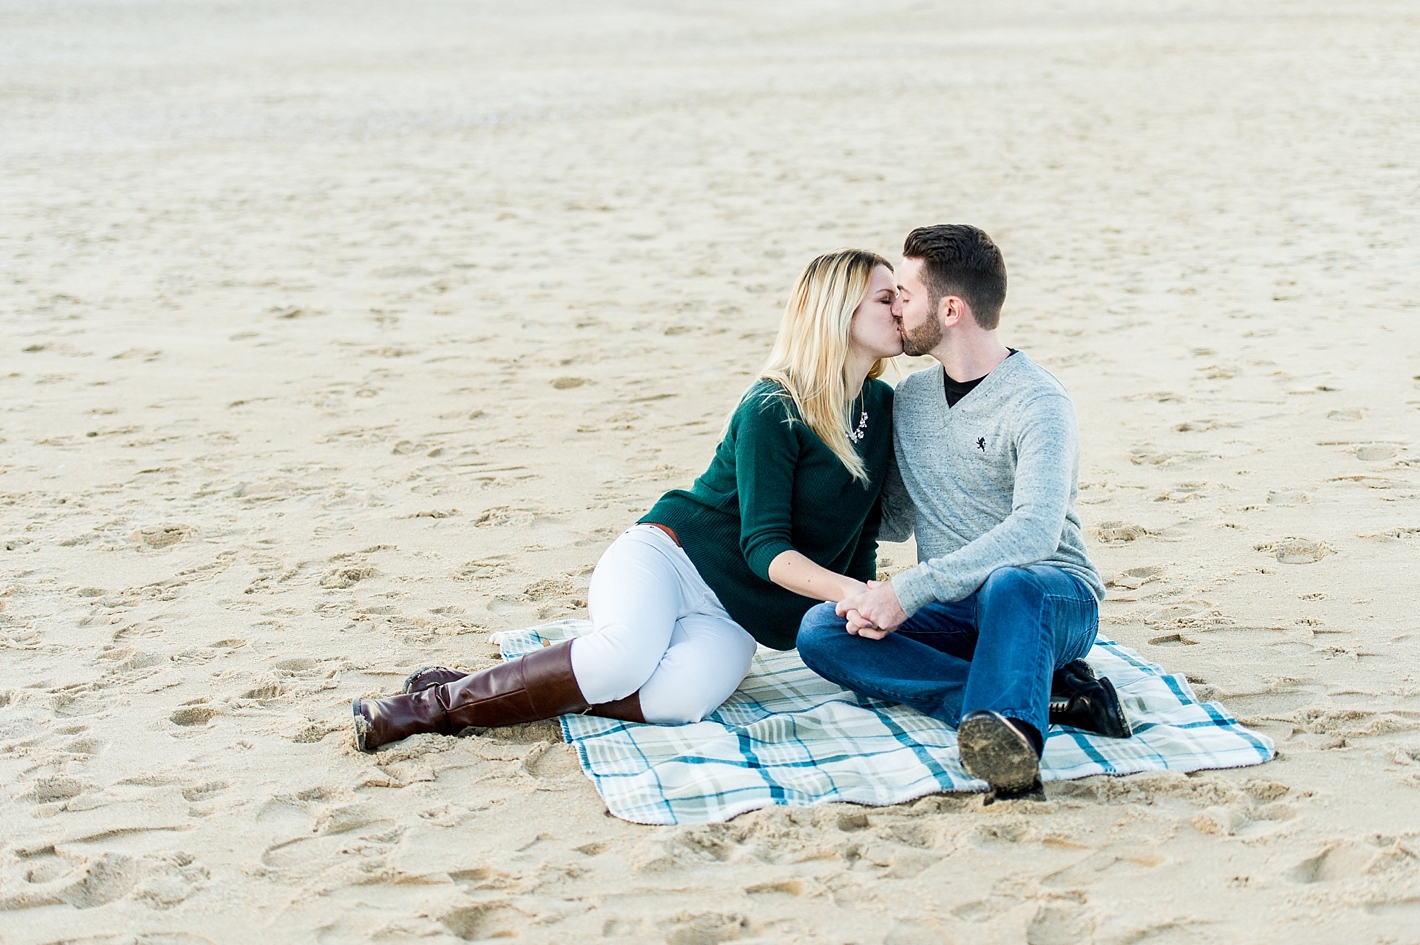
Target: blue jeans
pixel 995 649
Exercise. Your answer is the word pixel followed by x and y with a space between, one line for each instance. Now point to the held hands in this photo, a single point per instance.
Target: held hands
pixel 873 613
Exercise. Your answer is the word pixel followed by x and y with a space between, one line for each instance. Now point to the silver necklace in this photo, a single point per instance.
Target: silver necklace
pixel 862 430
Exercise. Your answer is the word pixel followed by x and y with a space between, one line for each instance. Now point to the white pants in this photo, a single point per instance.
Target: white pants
pixel 659 628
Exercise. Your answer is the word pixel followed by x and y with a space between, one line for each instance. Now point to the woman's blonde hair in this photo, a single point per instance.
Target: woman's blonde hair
pixel 810 356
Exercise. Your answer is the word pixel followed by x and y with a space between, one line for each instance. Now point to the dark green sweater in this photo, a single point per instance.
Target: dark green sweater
pixel 773 487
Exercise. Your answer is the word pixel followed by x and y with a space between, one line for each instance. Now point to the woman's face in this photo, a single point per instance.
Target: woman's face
pixel 873 330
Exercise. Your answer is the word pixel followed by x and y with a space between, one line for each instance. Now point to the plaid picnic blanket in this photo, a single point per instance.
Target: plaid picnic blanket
pixel 789 736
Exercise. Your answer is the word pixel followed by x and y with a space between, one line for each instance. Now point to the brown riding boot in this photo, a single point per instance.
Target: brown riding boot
pixel 626 710
pixel 539 685
pixel 429 677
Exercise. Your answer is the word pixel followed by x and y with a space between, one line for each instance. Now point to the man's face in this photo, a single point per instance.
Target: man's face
pixel 921 328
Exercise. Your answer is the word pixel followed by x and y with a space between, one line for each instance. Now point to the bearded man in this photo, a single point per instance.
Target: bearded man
pixel 1004 598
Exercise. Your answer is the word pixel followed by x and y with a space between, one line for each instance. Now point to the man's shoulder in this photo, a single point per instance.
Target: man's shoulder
pixel 1031 380
pixel 1020 380
pixel 919 383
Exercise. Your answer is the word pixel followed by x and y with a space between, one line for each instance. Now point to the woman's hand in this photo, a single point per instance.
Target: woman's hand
pixel 873 613
pixel 793 571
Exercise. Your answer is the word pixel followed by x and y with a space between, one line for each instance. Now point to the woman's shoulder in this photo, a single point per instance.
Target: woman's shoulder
pixel 766 399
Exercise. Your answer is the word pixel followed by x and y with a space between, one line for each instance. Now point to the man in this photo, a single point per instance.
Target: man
pixel 1003 595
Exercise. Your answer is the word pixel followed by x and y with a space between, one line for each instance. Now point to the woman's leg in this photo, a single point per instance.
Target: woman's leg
pixel 708 656
pixel 638 592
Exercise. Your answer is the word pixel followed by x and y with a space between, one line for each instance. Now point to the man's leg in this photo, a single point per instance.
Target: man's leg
pixel 1031 621
pixel 925 664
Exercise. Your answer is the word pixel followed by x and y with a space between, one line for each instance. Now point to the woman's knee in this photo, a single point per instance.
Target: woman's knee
pixel 676 711
pixel 611 665
pixel 683 703
pixel 697 674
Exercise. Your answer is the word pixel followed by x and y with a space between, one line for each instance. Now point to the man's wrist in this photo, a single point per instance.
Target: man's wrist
pixel 913 589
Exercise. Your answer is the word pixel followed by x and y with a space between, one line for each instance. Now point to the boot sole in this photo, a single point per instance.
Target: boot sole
pixel 362 726
pixel 998 754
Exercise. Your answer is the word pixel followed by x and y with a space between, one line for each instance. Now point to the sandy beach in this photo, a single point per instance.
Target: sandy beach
pixel 339 337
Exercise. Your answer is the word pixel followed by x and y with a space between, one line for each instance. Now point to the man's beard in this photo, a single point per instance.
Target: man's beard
pixel 923 338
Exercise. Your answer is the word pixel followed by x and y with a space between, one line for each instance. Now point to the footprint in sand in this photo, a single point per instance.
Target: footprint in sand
pixel 486 920
pixel 342 578
pixel 193 715
pixel 1335 861
pixel 1288 498
pixel 1135 578
pixel 1296 550
pixel 156 537
pixel 1060 923
pixel 1199 426
pixel 504 515
pixel 1183 492
pixel 1117 533
pixel 62 875
pixel 707 928
pixel 483 568
pixel 1149 456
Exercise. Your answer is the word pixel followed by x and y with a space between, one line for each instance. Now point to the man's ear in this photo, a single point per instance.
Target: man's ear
pixel 950 309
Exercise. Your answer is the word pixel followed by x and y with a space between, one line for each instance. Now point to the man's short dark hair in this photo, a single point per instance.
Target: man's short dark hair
pixel 961 260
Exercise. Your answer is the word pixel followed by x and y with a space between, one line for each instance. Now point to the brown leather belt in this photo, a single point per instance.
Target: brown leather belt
pixel 665 528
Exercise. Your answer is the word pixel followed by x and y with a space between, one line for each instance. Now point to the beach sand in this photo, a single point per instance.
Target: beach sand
pixel 339 336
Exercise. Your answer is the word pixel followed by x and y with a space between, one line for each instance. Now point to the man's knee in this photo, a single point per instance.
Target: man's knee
pixel 820 628
pixel 1011 582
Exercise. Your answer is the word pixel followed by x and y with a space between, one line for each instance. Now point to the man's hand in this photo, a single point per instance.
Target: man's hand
pixel 873 613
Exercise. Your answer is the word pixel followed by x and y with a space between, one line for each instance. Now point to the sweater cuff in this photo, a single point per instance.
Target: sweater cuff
pixel 914 589
pixel 760 559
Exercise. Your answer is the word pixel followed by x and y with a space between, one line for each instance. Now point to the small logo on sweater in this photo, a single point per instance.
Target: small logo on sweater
pixel 981 443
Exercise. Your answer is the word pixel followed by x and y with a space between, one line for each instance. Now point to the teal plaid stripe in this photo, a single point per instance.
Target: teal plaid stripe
pixel 789 736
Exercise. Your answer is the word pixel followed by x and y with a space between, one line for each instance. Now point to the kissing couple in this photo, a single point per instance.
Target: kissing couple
pixel 776 543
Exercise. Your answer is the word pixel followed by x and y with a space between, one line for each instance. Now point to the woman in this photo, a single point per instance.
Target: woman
pixel 787 515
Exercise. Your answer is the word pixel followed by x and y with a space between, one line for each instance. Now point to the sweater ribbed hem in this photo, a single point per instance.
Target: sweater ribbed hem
pixel 915 589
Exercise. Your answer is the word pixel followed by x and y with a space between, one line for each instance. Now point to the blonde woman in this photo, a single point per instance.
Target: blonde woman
pixel 785 517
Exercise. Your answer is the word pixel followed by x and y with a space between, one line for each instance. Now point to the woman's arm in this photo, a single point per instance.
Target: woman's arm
pixel 766 458
pixel 795 572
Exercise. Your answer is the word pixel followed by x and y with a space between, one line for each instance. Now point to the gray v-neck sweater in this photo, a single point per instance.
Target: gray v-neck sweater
pixel 989 483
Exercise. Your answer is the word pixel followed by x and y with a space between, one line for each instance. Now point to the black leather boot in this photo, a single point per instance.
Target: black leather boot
pixel 1080 700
